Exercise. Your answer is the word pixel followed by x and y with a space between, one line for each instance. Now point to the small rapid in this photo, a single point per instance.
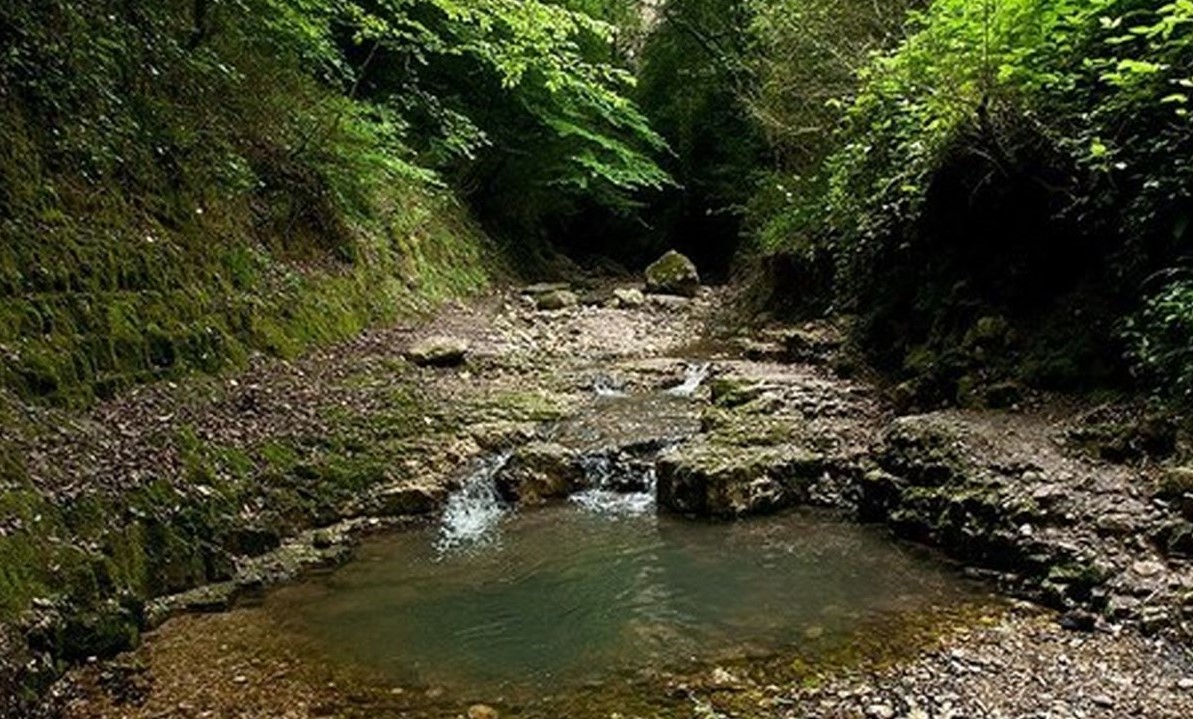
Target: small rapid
pixel 617 486
pixel 474 512
pixel 693 378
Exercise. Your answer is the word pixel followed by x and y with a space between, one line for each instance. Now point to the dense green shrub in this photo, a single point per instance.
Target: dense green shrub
pixel 1027 159
pixel 1163 339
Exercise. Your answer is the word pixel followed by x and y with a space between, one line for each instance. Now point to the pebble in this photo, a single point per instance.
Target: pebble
pixel 880 711
pixel 1147 568
pixel 482 711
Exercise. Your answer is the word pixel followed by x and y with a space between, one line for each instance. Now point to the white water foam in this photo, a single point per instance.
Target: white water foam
pixel 604 388
pixel 474 511
pixel 608 494
pixel 694 377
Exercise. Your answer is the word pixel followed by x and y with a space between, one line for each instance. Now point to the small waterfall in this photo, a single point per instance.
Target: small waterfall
pixel 694 377
pixel 618 486
pixel 603 387
pixel 474 511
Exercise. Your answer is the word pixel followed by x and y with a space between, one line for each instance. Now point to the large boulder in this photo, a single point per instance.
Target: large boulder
pixel 711 479
pixel 438 352
pixel 556 300
pixel 539 471
pixel 673 274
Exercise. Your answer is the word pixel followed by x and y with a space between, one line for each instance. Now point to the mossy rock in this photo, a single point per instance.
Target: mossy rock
pixel 673 274
pixel 557 300
pixel 1151 436
pixel 714 480
pixel 438 352
pixel 412 498
pixel 923 452
pixel 102 631
pixel 730 392
pixel 540 471
pixel 1175 482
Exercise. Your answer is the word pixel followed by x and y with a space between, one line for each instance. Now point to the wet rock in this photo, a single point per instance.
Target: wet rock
pixel 502 434
pixel 673 274
pixel 629 297
pixel 438 352
pixel 410 499
pixel 716 480
pixel 205 600
pixel 557 300
pixel 540 471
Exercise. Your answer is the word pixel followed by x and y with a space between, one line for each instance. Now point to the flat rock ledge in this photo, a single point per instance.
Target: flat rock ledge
pixel 710 479
pixel 1082 536
pixel 438 352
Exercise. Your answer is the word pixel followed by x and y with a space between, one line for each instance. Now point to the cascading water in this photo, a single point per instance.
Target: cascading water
pixel 604 387
pixel 617 486
pixel 694 377
pixel 474 511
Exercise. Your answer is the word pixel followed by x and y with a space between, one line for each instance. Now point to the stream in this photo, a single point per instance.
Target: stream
pixel 496 600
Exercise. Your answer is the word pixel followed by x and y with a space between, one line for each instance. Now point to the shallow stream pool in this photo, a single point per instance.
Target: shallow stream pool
pixel 568 596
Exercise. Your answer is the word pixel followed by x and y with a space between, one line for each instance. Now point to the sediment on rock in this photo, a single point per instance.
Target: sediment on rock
pixel 707 479
pixel 993 491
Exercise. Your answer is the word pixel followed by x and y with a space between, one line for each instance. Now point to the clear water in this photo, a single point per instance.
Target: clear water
pixel 566 595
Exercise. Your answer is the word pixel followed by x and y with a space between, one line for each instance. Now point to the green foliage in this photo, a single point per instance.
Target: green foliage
pixel 1007 156
pixel 520 97
pixel 808 57
pixel 810 60
pixel 184 182
pixel 1163 340
pixel 695 85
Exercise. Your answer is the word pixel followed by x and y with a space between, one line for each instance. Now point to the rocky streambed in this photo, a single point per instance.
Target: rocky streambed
pixel 1062 505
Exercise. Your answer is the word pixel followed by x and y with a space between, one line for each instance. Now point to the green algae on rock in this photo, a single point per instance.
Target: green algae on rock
pixel 673 274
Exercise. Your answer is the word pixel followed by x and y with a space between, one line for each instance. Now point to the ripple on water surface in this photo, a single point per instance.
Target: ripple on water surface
pixel 567 596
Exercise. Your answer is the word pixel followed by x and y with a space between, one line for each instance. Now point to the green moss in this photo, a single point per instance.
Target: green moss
pixel 90 309
pixel 528 406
